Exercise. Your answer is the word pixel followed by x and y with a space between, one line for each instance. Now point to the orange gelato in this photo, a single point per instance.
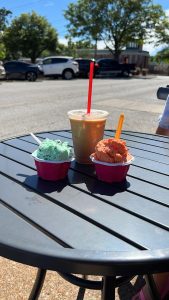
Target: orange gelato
pixel 111 151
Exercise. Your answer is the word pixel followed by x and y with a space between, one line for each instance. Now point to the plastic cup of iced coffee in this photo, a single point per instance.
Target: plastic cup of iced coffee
pixel 87 131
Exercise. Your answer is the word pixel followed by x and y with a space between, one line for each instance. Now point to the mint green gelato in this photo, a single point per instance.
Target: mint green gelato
pixel 54 150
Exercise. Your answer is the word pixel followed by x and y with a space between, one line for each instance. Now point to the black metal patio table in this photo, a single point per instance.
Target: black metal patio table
pixel 81 225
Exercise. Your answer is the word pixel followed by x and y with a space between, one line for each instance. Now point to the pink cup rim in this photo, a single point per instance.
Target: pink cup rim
pixel 112 164
pixel 51 161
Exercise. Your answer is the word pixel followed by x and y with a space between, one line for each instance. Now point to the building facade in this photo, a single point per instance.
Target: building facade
pixel 133 52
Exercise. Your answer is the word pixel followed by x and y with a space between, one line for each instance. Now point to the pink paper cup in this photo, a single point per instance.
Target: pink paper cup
pixel 110 172
pixel 51 170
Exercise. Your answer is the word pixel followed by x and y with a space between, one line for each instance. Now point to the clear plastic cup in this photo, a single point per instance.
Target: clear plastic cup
pixel 87 131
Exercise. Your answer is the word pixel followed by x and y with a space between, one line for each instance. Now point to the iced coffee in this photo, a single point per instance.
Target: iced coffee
pixel 87 131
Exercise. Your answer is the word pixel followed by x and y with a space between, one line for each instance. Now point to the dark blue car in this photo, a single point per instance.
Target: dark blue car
pixel 22 70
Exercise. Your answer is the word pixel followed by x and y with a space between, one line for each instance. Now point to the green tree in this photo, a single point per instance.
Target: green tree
pixel 161 35
pixel 70 50
pixel 162 31
pixel 60 50
pixel 115 22
pixel 29 35
pixel 85 20
pixel 129 21
pixel 84 45
pixel 162 55
pixel 2 51
pixel 4 14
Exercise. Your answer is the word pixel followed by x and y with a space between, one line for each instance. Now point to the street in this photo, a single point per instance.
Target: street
pixel 43 105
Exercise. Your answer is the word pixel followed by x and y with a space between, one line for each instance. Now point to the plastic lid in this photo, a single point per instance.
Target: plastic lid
pixel 80 114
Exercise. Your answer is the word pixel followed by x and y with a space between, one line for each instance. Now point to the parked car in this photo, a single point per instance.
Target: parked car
pixel 60 66
pixel 84 67
pixel 22 70
pixel 2 71
pixel 108 66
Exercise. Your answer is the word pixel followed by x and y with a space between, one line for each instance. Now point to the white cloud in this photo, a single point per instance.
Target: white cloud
pixel 63 41
pixel 167 12
pixel 152 49
pixel 101 45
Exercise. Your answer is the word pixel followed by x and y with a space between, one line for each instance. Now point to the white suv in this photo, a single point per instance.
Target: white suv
pixel 60 66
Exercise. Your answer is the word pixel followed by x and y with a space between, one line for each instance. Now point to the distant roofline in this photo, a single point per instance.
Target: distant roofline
pixel 57 56
pixel 105 51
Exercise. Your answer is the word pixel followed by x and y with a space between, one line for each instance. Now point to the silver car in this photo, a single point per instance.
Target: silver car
pixel 2 71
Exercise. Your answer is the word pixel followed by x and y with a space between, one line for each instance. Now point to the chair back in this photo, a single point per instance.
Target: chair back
pixel 162 93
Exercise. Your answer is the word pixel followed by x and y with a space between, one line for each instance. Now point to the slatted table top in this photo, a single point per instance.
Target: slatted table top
pixel 80 224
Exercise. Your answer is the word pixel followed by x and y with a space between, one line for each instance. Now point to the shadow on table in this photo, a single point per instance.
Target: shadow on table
pixel 102 188
pixel 44 186
pixel 83 176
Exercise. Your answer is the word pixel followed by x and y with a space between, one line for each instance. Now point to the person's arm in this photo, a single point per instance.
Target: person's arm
pixel 163 127
pixel 162 131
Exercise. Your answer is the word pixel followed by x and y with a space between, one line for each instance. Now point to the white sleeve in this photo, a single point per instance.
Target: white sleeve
pixel 164 120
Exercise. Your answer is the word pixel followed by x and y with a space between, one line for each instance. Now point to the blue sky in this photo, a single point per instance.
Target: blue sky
pixel 53 11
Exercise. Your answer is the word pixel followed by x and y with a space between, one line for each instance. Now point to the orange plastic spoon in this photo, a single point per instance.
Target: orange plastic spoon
pixel 119 127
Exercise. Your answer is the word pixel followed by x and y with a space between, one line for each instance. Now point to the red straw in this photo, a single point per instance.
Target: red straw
pixel 90 87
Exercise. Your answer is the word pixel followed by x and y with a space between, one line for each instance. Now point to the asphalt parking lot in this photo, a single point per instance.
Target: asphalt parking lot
pixel 43 105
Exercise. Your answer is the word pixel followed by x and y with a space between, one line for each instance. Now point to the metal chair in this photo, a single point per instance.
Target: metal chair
pixel 163 92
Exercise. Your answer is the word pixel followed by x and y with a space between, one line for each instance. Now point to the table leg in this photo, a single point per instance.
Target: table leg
pixel 153 290
pixel 38 284
pixel 81 292
pixel 108 291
